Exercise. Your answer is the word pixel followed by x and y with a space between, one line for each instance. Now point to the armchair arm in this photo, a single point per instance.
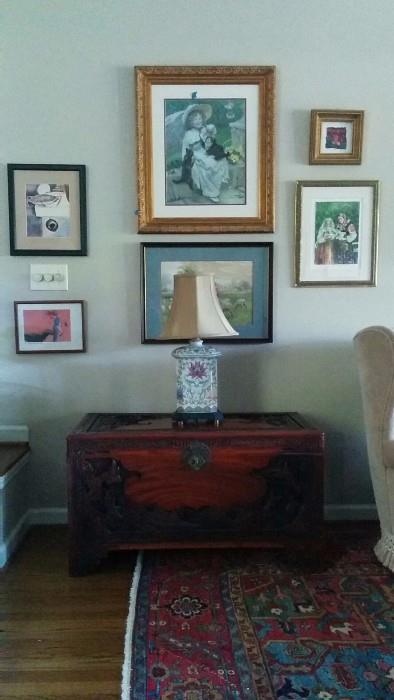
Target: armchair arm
pixel 388 454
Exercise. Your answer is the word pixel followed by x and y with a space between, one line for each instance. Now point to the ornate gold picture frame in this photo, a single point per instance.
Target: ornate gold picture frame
pixel 336 137
pixel 205 149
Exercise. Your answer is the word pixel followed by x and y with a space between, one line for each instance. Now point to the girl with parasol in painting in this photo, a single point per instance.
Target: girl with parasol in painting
pixel 204 164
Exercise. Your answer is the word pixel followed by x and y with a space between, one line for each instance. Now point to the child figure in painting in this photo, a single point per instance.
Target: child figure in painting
pixel 57 327
pixel 336 242
pixel 210 166
pixel 325 243
pixel 347 236
pixel 204 163
pixel 194 118
pixel 208 138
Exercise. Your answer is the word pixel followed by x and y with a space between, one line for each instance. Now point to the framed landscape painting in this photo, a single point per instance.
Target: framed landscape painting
pixel 47 209
pixel 243 280
pixel 336 228
pixel 205 149
pixel 336 137
pixel 48 326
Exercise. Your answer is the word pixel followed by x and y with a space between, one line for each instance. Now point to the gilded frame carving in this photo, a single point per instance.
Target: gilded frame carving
pixel 237 107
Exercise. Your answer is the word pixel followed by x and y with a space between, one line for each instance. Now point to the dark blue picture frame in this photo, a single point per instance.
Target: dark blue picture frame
pixel 259 330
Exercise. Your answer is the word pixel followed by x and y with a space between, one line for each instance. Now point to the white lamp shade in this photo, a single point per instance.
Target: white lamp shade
pixel 196 310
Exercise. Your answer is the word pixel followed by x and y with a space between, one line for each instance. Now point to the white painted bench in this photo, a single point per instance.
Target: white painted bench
pixel 14 488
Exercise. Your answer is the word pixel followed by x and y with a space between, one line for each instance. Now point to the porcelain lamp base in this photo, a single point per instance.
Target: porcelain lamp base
pixel 197 383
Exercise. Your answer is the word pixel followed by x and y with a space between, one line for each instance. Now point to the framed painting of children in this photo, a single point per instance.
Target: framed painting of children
pixel 205 149
pixel 336 229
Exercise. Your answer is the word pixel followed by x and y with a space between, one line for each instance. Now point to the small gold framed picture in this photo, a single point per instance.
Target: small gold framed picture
pixel 336 137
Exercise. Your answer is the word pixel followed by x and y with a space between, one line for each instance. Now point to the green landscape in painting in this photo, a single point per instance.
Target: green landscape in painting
pixel 233 280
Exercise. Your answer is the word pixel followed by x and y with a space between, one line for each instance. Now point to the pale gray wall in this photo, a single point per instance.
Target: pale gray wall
pixel 68 97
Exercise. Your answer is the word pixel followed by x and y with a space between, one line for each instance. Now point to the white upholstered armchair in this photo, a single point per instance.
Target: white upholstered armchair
pixel 375 357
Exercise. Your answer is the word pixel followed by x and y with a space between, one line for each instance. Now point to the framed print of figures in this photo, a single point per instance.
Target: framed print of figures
pixel 205 149
pixel 336 137
pixel 47 209
pixel 48 326
pixel 336 233
pixel 243 279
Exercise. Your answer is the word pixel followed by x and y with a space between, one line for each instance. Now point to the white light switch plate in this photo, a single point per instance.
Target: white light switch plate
pixel 54 277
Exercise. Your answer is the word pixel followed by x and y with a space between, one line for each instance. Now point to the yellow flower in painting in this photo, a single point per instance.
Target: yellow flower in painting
pixel 233 155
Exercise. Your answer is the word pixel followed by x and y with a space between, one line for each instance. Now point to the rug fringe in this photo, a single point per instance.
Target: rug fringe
pixel 126 670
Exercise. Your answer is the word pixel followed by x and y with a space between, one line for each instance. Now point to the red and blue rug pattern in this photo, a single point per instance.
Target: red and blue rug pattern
pixel 249 624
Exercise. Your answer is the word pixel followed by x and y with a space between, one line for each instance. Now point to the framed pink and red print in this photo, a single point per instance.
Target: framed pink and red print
pixel 42 327
pixel 336 137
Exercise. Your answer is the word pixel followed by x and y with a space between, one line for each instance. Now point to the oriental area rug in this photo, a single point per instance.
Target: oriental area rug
pixel 254 624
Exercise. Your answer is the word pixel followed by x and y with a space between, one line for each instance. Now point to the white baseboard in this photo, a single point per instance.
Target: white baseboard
pixel 350 511
pixel 14 433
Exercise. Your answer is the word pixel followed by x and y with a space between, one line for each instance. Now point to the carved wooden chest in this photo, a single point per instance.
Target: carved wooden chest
pixel 137 481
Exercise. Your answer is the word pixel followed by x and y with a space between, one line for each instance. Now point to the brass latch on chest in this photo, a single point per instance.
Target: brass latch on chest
pixel 196 455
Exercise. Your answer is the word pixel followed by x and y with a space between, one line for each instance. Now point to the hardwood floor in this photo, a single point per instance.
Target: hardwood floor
pixel 61 637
